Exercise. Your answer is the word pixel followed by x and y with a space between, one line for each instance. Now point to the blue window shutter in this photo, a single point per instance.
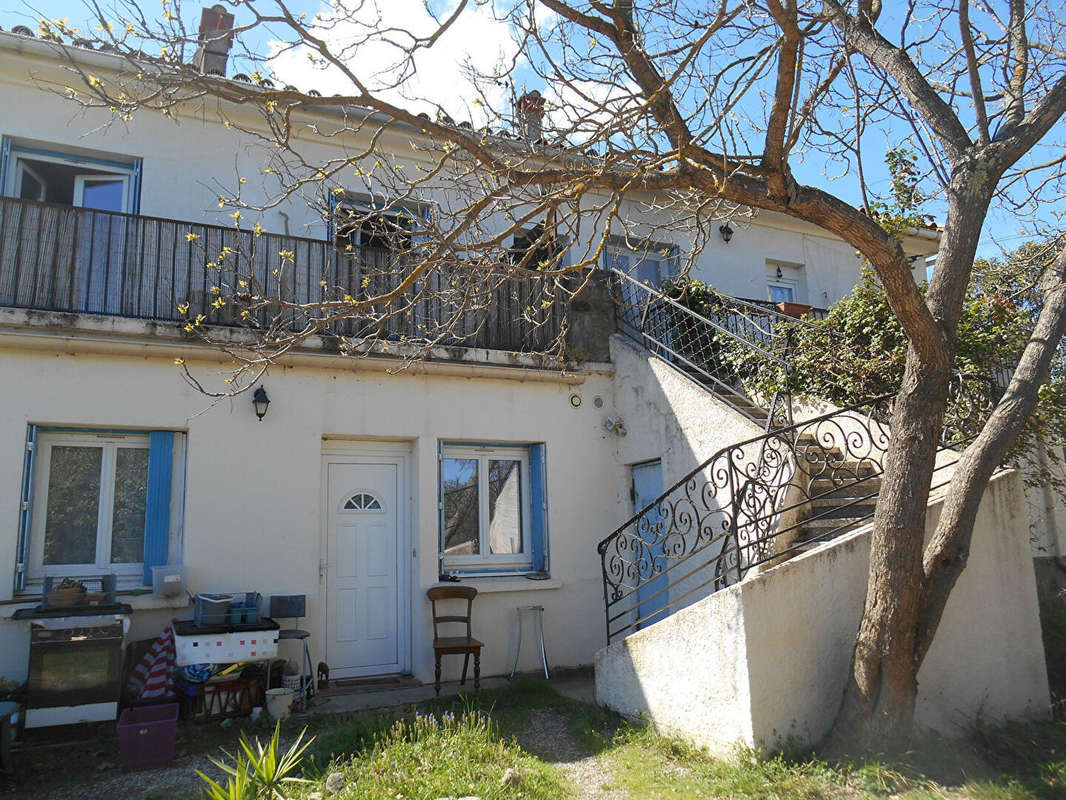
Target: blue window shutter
pixel 25 508
pixel 440 507
pixel 135 188
pixel 5 158
pixel 157 508
pixel 538 494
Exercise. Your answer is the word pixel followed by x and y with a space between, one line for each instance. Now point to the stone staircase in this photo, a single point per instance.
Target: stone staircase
pixel 834 509
pixel 842 493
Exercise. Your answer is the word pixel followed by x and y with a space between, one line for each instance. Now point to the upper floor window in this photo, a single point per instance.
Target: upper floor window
pixel 785 283
pixel 651 265
pixel 55 176
pixel 781 292
pixel 99 503
pixel 366 226
pixel 533 248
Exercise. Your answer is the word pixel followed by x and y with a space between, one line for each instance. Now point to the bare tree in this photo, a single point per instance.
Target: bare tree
pixel 702 110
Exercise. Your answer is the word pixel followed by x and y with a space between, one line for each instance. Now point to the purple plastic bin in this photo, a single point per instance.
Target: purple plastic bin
pixel 146 735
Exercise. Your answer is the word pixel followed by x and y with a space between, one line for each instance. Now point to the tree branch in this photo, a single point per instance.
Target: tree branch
pixel 975 72
pixel 859 33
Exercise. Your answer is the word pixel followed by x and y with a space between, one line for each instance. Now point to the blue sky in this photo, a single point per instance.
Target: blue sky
pixel 1001 228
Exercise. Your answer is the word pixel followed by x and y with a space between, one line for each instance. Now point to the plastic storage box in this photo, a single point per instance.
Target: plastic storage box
pixel 244 610
pixel 211 609
pixel 146 735
pixel 168 580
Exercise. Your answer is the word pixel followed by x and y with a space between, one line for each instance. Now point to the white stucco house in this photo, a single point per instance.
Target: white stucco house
pixel 111 463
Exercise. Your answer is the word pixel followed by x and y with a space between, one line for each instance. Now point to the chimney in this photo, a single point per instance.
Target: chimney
pixel 216 38
pixel 530 108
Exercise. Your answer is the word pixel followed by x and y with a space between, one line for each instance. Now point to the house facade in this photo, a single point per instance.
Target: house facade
pixel 362 483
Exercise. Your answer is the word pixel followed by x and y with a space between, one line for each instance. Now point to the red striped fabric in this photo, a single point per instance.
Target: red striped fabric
pixel 153 677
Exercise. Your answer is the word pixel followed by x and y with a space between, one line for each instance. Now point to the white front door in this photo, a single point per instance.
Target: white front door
pixel 363 558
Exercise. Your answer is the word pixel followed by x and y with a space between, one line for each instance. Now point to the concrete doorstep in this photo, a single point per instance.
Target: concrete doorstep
pixel 338 701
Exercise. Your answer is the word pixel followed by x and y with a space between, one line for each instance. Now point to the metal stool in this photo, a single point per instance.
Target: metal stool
pixel 294 606
pixel 538 611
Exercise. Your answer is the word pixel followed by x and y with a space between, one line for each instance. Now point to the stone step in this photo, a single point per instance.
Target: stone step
pixel 813 457
pixel 862 500
pixel 828 523
pixel 812 535
pixel 841 480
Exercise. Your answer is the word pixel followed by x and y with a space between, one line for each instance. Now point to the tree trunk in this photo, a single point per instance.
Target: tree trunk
pixel 879 701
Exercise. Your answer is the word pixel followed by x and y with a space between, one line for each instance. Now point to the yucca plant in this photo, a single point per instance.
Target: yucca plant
pixel 258 772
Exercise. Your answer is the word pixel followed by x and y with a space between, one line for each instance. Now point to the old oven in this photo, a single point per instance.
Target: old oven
pixel 75 670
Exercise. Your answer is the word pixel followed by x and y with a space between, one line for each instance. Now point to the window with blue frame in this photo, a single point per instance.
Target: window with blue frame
pixel 493 508
pixel 100 502
pixel 650 263
pixel 53 174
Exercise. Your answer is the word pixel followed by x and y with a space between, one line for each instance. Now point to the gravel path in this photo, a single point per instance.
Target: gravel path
pixel 178 780
pixel 548 737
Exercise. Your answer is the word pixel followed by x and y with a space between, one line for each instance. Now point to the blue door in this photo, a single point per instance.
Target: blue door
pixel 653 595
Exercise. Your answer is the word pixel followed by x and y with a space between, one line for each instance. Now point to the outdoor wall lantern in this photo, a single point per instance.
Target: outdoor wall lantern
pixel 726 231
pixel 261 402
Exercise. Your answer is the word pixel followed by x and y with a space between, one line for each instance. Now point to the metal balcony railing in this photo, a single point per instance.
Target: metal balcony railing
pixel 83 261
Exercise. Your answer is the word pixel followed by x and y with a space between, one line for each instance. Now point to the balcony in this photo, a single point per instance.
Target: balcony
pixel 60 258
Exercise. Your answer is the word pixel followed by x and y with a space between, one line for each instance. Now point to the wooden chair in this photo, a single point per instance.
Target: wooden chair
pixel 455 645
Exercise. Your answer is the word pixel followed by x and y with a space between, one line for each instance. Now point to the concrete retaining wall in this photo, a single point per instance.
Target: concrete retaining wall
pixel 766 660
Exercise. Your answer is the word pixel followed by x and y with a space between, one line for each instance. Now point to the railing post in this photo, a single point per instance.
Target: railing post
pixel 602 548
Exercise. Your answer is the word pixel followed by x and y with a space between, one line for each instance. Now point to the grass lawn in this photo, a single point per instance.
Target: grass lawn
pixel 465 746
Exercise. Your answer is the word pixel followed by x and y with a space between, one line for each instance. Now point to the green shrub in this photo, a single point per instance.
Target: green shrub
pixel 257 771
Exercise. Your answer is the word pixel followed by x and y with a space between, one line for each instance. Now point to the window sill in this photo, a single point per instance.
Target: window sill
pixel 148 602
pixel 141 602
pixel 490 584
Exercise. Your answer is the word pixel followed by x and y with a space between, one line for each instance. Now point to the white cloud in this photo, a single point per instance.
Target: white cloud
pixel 370 35
pixel 581 108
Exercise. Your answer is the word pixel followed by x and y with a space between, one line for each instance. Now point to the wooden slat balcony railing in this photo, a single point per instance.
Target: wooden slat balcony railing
pixel 83 261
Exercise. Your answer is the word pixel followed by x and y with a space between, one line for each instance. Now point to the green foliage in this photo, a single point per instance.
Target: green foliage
pixel 859 350
pixel 901 212
pixel 258 771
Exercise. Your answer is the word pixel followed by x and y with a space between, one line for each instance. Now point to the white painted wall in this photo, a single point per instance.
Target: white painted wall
pixel 253 496
pixel 785 637
pixel 669 416
pixel 190 161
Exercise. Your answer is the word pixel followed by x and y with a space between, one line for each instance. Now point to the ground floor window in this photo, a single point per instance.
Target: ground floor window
pixel 493 508
pixel 99 502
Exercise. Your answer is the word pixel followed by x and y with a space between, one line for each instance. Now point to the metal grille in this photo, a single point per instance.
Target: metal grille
pixel 78 260
pixel 699 345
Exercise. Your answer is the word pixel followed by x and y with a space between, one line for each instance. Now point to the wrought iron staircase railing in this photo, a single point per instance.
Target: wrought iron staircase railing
pixel 757 502
pixel 763 500
pixel 696 344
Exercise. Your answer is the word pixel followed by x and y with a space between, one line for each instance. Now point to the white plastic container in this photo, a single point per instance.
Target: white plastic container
pixel 168 580
pixel 279 702
pixel 225 648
